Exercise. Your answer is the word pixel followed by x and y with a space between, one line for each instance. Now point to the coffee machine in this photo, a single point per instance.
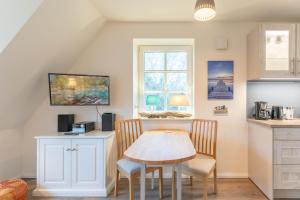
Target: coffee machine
pixel 261 111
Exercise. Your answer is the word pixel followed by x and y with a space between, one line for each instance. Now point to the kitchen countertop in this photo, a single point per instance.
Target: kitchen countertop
pixel 295 123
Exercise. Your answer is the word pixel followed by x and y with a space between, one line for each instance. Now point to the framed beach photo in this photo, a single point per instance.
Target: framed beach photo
pixel 220 79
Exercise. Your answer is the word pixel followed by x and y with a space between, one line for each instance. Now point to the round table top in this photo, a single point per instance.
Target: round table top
pixel 162 148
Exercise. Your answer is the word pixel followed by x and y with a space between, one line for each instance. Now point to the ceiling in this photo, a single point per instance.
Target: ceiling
pixel 182 10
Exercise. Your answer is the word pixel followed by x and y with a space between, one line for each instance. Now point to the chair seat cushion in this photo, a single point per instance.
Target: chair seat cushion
pixel 14 189
pixel 127 166
pixel 201 165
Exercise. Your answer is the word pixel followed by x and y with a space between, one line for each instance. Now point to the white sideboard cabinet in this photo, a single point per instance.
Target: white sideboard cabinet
pixel 81 165
pixel 273 52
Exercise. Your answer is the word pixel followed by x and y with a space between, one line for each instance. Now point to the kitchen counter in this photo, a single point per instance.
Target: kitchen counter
pixel 295 123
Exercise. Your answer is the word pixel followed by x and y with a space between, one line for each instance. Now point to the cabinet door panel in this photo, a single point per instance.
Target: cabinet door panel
pixel 298 51
pixel 87 163
pixel 278 55
pixel 55 163
pixel 286 176
pixel 286 152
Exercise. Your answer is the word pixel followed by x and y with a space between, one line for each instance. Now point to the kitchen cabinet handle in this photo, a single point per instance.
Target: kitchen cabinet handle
pixel 68 149
pixel 74 149
pixel 292 66
pixel 297 61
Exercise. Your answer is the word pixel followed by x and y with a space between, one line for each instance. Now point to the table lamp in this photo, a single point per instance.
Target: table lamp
pixel 152 101
pixel 179 100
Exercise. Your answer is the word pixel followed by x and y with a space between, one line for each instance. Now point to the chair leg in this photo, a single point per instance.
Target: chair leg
pixel 117 182
pixel 174 184
pixel 152 180
pixel 191 180
pixel 205 187
pixel 215 181
pixel 161 190
pixel 131 188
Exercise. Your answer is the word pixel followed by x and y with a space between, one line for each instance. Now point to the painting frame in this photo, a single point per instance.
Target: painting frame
pixel 220 85
pixel 83 75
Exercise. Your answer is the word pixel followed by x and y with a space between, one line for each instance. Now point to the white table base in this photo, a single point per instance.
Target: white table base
pixel 178 181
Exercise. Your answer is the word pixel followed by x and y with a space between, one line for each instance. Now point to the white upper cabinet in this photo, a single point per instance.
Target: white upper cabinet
pixel 273 52
pixel 298 51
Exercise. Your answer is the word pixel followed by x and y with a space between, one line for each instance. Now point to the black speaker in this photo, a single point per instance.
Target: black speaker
pixel 65 122
pixel 108 121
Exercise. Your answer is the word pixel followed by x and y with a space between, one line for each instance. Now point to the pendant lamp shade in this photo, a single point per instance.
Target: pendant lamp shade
pixel 205 10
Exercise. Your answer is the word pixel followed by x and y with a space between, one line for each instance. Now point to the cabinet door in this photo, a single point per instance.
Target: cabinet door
pixel 298 51
pixel 287 152
pixel 87 163
pixel 55 163
pixel 278 50
pixel 286 176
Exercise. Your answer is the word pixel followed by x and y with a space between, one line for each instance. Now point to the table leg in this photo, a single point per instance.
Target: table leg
pixel 173 183
pixel 179 172
pixel 143 182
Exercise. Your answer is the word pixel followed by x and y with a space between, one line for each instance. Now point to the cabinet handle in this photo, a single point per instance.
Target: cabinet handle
pixel 68 149
pixel 292 66
pixel 297 61
pixel 74 149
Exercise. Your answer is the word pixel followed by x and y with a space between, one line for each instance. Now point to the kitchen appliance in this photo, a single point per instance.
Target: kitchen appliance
pixel 83 127
pixel 277 112
pixel 261 110
pixel 289 113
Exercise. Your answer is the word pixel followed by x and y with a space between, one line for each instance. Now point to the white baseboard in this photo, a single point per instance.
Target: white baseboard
pixel 70 192
pixel 232 175
pixel 28 175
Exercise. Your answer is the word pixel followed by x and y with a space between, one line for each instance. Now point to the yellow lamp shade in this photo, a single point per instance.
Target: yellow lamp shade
pixel 179 100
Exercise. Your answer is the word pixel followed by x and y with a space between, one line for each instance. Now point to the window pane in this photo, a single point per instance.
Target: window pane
pixel 154 102
pixel 154 61
pixel 176 81
pixel 177 61
pixel 277 50
pixel 154 81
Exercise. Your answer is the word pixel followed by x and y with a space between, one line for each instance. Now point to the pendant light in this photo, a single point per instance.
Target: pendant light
pixel 205 10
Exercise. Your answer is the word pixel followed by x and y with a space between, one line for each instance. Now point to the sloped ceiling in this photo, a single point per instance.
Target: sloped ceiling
pixel 50 41
pixel 182 10
pixel 13 15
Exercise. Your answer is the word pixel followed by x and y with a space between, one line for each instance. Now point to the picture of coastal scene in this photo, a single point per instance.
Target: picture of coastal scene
pixel 220 79
pixel 78 89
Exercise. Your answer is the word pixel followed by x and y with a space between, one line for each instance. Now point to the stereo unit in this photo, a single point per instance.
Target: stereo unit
pixel 108 121
pixel 65 122
pixel 83 127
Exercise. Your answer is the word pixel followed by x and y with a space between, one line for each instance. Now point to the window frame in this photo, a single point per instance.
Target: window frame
pixel 190 73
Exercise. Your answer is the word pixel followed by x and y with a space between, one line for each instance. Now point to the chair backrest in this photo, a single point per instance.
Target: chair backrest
pixel 127 131
pixel 204 136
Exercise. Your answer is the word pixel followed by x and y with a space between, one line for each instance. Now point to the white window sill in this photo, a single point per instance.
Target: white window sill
pixel 166 119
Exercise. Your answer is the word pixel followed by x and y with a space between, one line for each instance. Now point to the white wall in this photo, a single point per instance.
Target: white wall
pixel 13 15
pixel 10 153
pixel 52 39
pixel 111 54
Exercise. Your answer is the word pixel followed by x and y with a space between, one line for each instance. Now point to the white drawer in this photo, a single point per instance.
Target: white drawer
pixel 286 152
pixel 286 176
pixel 287 134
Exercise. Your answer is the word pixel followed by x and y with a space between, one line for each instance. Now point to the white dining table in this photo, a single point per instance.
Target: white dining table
pixel 161 148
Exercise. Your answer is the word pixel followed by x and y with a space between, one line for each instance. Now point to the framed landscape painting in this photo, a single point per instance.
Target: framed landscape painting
pixel 220 79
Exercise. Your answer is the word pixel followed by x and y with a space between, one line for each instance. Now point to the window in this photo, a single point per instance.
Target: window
pixel 165 71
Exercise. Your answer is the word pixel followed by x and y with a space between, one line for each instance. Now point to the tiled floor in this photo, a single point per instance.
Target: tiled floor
pixel 229 189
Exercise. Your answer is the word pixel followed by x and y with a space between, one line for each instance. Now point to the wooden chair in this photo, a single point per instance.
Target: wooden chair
pixel 204 138
pixel 127 131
